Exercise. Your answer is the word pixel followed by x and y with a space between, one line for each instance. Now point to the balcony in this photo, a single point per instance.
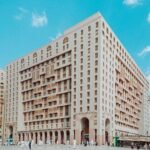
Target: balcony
pixel 63 62
pixel 25 77
pixel 48 126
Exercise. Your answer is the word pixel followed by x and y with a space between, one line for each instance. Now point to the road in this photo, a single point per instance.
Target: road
pixel 61 147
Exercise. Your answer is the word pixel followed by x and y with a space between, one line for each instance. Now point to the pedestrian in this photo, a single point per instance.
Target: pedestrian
pixel 96 143
pixel 74 143
pixel 138 146
pixel 132 145
pixel 146 146
pixel 85 142
pixel 30 143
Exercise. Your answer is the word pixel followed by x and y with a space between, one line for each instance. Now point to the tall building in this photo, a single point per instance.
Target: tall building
pixel 83 85
pixel 2 92
pixel 11 102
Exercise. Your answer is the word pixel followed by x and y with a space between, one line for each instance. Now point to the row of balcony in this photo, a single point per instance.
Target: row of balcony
pixel 62 63
pixel 47 117
pixel 127 123
pixel 48 126
pixel 124 99
pixel 29 108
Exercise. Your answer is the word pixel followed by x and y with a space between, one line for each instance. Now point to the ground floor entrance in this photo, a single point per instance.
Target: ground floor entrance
pixel 45 137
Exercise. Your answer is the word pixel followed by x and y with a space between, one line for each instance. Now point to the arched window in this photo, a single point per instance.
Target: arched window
pixel 65 43
pixel 49 51
pixel 41 54
pixel 34 57
pixel 65 40
pixel 22 62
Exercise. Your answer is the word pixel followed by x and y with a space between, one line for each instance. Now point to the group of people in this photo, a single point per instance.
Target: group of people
pixel 138 146
pixel 26 144
pixel 31 142
pixel 90 143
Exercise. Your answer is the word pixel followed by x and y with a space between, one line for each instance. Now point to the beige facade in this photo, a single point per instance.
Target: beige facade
pixel 2 92
pixel 83 86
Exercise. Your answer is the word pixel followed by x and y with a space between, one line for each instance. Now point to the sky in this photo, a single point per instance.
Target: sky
pixel 26 25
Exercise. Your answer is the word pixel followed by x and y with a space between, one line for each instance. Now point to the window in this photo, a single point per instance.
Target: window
pixel 96 40
pixel 97 24
pixel 88 101
pixel 65 40
pixel 89 28
pixel 75 35
pixel 49 50
pixel 88 108
pixel 22 62
pixel 95 107
pixel 34 57
pixel 95 99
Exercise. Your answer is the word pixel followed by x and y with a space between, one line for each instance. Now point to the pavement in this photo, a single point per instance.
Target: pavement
pixel 62 147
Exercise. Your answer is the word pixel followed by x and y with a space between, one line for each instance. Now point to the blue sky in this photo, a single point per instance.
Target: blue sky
pixel 29 24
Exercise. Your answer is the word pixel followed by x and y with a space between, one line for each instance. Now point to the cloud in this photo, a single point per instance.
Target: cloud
pixel 148 18
pixel 145 51
pixel 132 2
pixel 23 10
pixel 56 37
pixel 18 17
pixel 39 20
pixel 21 14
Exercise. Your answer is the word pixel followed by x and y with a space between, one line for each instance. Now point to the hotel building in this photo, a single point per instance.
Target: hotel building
pixel 83 85
pixel 2 88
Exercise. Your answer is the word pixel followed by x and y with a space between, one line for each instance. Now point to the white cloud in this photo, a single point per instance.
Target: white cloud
pixel 18 17
pixel 56 37
pixel 39 20
pixel 23 10
pixel 145 51
pixel 132 2
pixel 148 18
pixel 21 14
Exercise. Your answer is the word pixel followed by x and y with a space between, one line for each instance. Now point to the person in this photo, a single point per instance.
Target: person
pixel 138 146
pixel 74 143
pixel 146 146
pixel 96 143
pixel 85 142
pixel 132 145
pixel 30 142
pixel 92 142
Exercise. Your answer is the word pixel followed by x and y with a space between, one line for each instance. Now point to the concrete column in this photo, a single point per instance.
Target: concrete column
pixel 92 134
pixel 21 137
pixel 48 136
pixel 71 136
pixel 53 137
pixel 78 136
pixel 29 135
pixel 34 137
pixel 38 137
pixel 65 141
pixel 43 137
pixel 59 137
pixel 25 136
